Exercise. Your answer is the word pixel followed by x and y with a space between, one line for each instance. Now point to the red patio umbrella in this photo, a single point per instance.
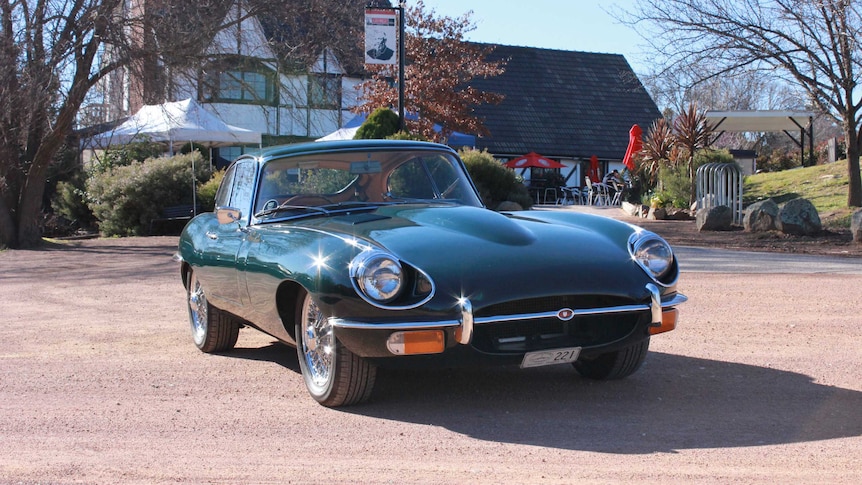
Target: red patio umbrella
pixel 593 173
pixel 533 159
pixel 635 145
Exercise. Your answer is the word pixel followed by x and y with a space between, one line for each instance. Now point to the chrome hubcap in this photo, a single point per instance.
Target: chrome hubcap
pixel 318 344
pixel 197 311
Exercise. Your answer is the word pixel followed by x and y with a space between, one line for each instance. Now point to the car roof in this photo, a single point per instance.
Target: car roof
pixel 280 151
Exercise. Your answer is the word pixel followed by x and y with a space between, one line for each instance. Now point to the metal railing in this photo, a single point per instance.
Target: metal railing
pixel 720 184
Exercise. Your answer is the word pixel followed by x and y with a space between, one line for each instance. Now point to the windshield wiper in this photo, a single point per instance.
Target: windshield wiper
pixel 327 210
pixel 282 208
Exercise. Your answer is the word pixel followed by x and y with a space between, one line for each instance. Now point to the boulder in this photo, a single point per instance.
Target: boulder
pixel 635 210
pixel 509 206
pixel 761 216
pixel 718 218
pixel 675 214
pixel 798 217
pixel 657 213
pixel 856 226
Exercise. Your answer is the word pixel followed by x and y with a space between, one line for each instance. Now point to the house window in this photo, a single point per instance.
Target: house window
pixel 243 84
pixel 324 91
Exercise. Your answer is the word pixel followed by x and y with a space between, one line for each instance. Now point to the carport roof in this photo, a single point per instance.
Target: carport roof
pixel 742 121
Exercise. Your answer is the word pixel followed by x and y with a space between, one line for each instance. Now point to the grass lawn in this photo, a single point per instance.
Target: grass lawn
pixel 824 185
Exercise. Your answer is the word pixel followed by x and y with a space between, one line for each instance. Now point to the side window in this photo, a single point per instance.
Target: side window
pixel 236 187
pixel 243 186
pixel 222 198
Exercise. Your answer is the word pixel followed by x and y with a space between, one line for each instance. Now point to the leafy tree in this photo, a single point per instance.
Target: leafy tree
pixel 381 123
pixel 692 133
pixel 658 149
pixel 812 45
pixel 438 70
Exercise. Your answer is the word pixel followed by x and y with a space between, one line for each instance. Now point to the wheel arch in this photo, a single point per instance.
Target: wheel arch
pixel 286 298
pixel 185 269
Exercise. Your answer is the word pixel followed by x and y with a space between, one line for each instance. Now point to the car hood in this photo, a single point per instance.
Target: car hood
pixel 468 251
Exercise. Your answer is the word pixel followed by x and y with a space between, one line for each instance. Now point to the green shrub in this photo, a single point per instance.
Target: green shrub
pixel 69 201
pixel 676 188
pixel 207 191
pixel 126 199
pixel 381 123
pixel 403 135
pixel 123 155
pixel 777 161
pixel 495 182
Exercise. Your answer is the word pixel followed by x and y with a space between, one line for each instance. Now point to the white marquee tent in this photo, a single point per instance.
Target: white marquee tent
pixel 175 123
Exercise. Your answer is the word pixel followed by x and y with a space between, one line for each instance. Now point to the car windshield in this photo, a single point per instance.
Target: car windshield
pixel 332 179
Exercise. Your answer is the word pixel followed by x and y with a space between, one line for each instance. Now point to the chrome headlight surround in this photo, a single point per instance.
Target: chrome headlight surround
pixel 654 255
pixel 377 276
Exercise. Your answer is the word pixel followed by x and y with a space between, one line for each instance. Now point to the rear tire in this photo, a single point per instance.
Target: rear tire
pixel 334 376
pixel 212 329
pixel 614 365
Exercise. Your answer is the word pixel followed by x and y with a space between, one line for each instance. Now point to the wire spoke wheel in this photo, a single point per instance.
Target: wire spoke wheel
pixel 212 329
pixel 334 376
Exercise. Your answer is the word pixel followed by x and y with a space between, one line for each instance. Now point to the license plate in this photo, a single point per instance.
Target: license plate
pixel 550 357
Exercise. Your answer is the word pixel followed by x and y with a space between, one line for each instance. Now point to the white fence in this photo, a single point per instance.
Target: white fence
pixel 720 184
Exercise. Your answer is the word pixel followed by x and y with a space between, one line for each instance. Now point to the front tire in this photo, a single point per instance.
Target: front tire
pixel 614 365
pixel 212 329
pixel 334 376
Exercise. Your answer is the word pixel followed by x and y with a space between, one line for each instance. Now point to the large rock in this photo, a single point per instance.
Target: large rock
pixel 760 216
pixel 636 210
pixel 675 214
pixel 657 213
pixel 718 218
pixel 509 206
pixel 798 217
pixel 856 226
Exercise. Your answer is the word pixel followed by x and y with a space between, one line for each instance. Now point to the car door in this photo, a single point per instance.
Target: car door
pixel 225 240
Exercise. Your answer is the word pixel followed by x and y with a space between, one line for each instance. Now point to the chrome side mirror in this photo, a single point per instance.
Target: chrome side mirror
pixel 226 215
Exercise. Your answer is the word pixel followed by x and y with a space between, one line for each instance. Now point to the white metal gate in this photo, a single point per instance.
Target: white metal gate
pixel 720 184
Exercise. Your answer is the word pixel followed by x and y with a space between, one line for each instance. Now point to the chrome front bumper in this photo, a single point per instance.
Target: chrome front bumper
pixel 465 324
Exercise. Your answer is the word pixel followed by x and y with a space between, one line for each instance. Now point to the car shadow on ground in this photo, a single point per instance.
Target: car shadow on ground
pixel 673 402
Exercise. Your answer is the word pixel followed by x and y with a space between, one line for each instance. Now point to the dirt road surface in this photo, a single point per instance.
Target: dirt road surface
pixel 100 383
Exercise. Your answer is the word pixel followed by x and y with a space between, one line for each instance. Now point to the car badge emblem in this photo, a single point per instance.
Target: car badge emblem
pixel 565 314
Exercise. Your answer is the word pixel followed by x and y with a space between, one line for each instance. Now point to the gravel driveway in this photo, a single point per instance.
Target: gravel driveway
pixel 100 383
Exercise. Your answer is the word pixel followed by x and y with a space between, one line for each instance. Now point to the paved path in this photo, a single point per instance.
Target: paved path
pixel 708 260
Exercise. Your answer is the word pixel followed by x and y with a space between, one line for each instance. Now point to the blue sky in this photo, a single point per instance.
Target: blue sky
pixel 576 25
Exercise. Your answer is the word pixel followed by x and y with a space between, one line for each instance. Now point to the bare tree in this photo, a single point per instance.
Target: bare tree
pixel 54 53
pixel 440 65
pixel 811 44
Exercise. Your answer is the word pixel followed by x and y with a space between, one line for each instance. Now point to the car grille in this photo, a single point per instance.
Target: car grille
pixel 548 333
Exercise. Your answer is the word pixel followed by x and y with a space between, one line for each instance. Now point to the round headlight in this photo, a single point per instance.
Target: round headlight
pixel 377 274
pixel 653 254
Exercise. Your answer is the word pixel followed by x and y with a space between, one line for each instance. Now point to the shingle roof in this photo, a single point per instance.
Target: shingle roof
pixel 563 104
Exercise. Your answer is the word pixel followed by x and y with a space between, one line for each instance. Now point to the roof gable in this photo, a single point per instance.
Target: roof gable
pixel 563 104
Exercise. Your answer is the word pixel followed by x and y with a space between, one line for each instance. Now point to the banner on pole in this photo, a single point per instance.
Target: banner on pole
pixel 381 35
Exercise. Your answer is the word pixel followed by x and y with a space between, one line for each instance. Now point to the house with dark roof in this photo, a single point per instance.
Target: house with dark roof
pixel 565 105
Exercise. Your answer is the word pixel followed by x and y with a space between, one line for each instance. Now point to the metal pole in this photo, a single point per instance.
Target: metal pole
pixel 401 51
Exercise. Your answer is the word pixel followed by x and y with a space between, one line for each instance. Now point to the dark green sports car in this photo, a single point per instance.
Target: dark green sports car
pixel 378 252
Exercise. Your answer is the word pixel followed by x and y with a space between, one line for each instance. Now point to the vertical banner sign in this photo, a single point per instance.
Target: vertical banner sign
pixel 380 36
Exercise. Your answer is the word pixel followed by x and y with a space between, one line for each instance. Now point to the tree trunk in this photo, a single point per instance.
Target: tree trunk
pixel 854 191
pixel 8 231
